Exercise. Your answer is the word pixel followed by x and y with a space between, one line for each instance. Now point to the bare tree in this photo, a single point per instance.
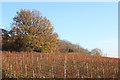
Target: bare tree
pixel 96 51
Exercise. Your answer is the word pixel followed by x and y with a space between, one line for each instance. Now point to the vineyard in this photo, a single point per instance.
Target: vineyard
pixel 69 65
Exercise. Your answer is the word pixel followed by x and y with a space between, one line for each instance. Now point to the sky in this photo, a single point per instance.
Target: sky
pixel 89 24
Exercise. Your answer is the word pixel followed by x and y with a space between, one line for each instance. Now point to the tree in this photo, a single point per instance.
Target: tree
pixel 66 46
pixel 6 45
pixel 34 31
pixel 70 50
pixel 97 52
pixel 5 34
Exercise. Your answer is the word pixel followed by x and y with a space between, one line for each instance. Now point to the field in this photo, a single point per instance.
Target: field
pixel 69 65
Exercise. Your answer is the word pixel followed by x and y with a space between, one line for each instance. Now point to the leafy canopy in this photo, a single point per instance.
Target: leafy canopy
pixel 34 32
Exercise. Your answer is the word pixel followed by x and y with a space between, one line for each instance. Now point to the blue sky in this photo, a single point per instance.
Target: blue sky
pixel 90 24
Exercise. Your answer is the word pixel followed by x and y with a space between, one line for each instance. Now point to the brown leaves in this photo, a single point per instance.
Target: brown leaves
pixel 76 65
pixel 36 30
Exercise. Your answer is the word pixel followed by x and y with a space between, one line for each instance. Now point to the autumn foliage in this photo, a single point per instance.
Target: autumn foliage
pixel 32 32
pixel 72 65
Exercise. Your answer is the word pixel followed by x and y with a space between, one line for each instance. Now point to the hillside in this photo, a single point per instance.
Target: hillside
pixel 70 65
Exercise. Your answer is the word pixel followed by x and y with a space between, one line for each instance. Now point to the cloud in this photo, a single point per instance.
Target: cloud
pixel 109 46
pixel 112 53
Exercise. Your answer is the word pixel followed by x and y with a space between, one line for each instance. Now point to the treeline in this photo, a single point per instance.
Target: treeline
pixel 32 32
pixel 66 46
pixel 10 44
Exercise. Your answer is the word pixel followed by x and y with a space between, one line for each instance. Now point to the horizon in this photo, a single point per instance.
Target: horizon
pixel 89 24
